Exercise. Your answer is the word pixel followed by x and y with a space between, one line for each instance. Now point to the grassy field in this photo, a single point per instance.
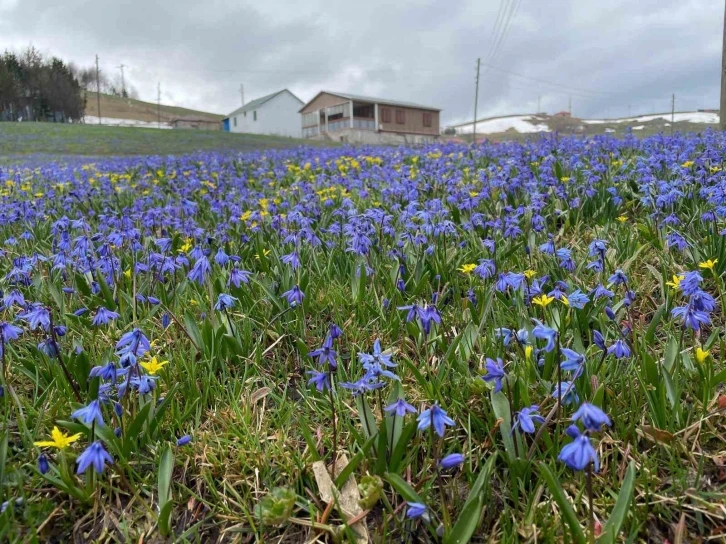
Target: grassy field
pixel 129 108
pixel 508 343
pixel 19 140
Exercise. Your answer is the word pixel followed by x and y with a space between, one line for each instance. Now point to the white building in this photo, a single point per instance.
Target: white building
pixel 276 114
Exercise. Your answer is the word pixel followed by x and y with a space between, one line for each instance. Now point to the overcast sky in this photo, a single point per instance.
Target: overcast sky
pixel 609 56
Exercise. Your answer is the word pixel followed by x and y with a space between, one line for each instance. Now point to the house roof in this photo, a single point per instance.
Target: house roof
pixel 195 119
pixel 256 103
pixel 374 100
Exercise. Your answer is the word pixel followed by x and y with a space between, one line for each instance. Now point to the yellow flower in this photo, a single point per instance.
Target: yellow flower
pixel 529 274
pixel 676 281
pixel 59 441
pixel 564 300
pixel 687 164
pixel 265 252
pixel 565 179
pixel 127 273
pixel 542 300
pixel 622 218
pixel 467 268
pixel 701 354
pixel 186 246
pixel 153 366
pixel 708 264
pixel 528 352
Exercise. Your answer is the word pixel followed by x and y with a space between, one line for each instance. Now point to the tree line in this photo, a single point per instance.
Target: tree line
pixel 36 88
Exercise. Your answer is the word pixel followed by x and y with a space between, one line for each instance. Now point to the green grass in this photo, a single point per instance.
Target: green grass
pixel 18 140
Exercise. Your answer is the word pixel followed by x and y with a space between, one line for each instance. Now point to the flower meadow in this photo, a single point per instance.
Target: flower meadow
pixel 516 342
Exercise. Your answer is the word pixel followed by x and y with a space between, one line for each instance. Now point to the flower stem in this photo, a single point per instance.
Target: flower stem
pixel 589 498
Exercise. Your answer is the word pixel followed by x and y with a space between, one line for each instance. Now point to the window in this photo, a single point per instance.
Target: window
pixel 427 119
pixel 254 115
pixel 400 117
pixel 235 121
pixel 385 115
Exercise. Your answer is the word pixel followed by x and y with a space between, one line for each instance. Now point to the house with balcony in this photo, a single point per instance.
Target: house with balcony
pixel 355 119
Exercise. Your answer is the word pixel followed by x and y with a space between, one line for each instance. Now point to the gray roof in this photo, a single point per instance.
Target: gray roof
pixel 256 103
pixel 374 100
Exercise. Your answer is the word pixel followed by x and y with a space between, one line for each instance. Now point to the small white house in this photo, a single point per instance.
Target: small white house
pixel 275 114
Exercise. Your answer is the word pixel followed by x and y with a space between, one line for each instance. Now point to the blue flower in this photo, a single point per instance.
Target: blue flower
pixel 452 460
pixel 400 408
pixel 495 373
pixel 224 302
pixel 573 360
pixel 103 317
pixel 567 391
pixel 620 349
pixel 237 277
pixel 200 271
pixel 435 416
pixel 577 299
pixel 326 353
pixel 598 339
pixel 134 343
pixel 579 453
pixel 37 316
pixel 592 417
pixel 417 510
pixel 43 465
pixel 94 455
pixel 545 333
pixel 691 317
pixel 618 278
pixel 526 418
pixel 601 292
pixel 90 413
pixel 319 380
pixel 184 440
pixel 377 356
pixel 294 296
pixel 9 332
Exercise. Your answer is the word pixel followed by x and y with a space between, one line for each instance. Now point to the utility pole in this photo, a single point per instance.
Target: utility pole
pixel 476 97
pixel 98 91
pixel 158 104
pixel 242 92
pixel 722 111
pixel 569 105
pixel 539 102
pixel 673 112
pixel 123 83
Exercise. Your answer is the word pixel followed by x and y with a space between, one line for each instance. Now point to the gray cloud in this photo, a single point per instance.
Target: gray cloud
pixel 606 56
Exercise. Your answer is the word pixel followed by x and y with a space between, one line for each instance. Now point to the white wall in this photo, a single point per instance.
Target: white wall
pixel 278 116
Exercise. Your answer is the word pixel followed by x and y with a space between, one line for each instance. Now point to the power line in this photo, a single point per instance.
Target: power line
pixel 545 82
pixel 512 14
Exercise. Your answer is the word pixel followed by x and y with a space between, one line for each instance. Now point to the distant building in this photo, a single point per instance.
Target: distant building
pixel 351 118
pixel 563 114
pixel 199 123
pixel 274 114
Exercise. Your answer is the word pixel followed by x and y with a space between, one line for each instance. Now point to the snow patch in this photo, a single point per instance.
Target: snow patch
pixel 523 124
pixel 639 127
pixel 704 117
pixel 135 123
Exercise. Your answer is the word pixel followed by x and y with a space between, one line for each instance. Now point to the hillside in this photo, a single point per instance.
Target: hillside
pixel 522 126
pixel 129 108
pixel 20 141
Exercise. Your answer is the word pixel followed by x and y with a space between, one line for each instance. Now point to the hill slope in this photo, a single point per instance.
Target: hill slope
pixel 19 141
pixel 129 108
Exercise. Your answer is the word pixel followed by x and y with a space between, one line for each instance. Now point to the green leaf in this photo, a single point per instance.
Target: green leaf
pixel 106 292
pixel 671 353
pixel 501 410
pixel 402 446
pixel 402 488
pixel 566 509
pixel 468 520
pixel 3 460
pixel 166 466
pixel 620 510
pixel 165 519
pixel 367 419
